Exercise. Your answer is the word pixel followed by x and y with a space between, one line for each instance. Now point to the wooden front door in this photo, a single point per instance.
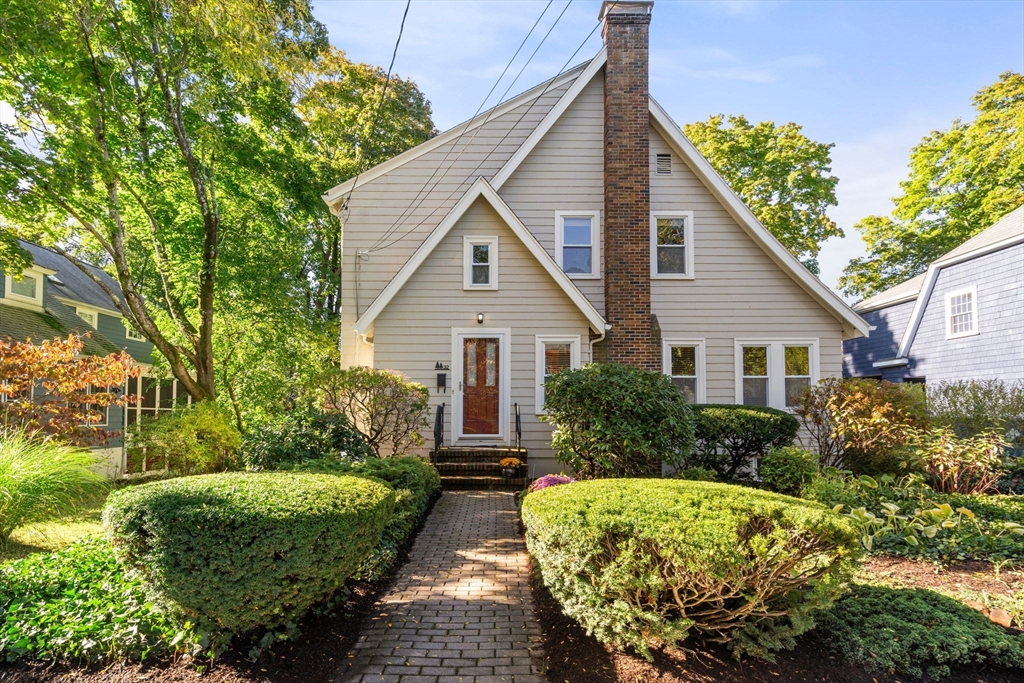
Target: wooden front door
pixel 481 391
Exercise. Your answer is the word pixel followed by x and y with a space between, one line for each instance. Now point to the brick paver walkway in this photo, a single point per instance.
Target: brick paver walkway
pixel 460 610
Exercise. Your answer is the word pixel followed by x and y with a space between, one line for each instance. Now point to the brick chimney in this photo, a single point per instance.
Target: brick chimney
pixel 633 337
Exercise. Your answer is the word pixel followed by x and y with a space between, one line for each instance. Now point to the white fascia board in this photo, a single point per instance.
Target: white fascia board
pixel 75 303
pixel 480 188
pixel 980 251
pixel 891 363
pixel 570 95
pixel 338 191
pixel 886 303
pixel 853 324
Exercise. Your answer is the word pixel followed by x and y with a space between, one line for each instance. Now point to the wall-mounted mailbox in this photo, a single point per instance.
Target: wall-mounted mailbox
pixel 442 377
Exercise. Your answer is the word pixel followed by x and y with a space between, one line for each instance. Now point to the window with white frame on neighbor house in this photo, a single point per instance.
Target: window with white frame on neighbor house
pixel 775 374
pixel 480 263
pixel 672 245
pixel 29 287
pixel 554 354
pixel 684 363
pixel 87 315
pixel 961 313
pixel 576 241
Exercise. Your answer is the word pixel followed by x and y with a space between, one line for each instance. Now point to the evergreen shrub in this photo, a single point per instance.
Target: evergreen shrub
pixel 642 561
pixel 788 469
pixel 239 551
pixel 415 482
pixel 302 435
pixel 729 437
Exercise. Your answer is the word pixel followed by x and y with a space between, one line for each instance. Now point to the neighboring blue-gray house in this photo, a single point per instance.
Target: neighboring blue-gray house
pixel 54 298
pixel 962 319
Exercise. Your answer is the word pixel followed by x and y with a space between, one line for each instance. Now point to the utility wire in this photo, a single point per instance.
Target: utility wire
pixel 380 105
pixel 507 133
pixel 415 202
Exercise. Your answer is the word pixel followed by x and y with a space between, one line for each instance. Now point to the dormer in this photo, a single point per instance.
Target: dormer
pixel 26 292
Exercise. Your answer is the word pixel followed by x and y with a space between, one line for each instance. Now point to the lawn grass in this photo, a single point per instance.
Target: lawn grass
pixel 53 535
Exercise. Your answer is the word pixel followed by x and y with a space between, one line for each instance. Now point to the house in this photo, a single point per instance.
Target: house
pixel 570 224
pixel 55 298
pixel 962 319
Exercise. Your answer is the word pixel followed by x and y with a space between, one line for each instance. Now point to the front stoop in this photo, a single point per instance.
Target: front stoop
pixel 476 467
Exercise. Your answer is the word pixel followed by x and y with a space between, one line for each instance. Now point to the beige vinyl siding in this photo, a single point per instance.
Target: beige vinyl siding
pixel 414 331
pixel 737 292
pixel 565 172
pixel 377 206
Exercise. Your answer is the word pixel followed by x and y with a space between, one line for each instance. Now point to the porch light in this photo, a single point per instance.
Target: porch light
pixel 480 318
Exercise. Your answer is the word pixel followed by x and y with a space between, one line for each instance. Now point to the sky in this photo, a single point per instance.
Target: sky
pixel 872 78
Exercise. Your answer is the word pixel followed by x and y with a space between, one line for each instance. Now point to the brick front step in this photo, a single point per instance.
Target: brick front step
pixel 482 483
pixel 461 468
pixel 477 454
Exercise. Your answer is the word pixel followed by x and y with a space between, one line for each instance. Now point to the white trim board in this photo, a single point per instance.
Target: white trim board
pixel 334 194
pixel 480 188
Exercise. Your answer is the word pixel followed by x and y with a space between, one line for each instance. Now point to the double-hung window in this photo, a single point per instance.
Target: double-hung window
pixel 672 245
pixel 962 313
pixel 683 362
pixel 576 243
pixel 480 263
pixel 554 354
pixel 775 373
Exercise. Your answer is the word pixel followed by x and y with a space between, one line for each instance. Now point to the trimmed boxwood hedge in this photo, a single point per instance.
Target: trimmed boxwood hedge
pixel 729 437
pixel 415 481
pixel 240 551
pixel 642 560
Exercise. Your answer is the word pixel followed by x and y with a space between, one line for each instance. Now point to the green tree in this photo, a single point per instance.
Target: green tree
pixel 160 134
pixel 962 180
pixel 781 175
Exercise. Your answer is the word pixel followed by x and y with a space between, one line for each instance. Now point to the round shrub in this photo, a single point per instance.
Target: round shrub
pixel 637 561
pixel 617 421
pixel 240 551
pixel 192 439
pixel 730 437
pixel 415 482
pixel 302 435
pixel 787 469
pixel 914 631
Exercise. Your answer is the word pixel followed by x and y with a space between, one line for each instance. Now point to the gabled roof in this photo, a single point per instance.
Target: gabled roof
pixel 56 320
pixel 77 286
pixel 1005 232
pixel 480 189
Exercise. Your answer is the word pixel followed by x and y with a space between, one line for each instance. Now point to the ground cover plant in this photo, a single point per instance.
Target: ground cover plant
pixel 906 517
pixel 94 609
pixel 615 420
pixel 637 561
pixel 43 480
pixel 416 484
pixel 914 631
pixel 236 552
pixel 730 437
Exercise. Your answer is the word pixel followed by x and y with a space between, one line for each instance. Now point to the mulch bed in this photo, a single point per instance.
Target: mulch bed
pixel 972 575
pixel 574 657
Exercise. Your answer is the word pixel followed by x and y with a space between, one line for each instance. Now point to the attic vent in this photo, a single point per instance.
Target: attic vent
pixel 664 164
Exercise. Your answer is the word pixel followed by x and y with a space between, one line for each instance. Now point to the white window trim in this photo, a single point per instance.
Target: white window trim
pixel 574 363
pixel 130 333
pixel 973 291
pixel 687 238
pixel 666 363
pixel 505 403
pixel 595 242
pixel 95 315
pixel 776 367
pixel 36 301
pixel 467 262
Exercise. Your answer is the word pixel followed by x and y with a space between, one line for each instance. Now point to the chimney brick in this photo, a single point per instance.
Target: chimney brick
pixel 633 338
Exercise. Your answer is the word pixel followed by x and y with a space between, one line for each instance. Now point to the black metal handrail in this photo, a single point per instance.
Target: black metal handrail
pixel 439 428
pixel 519 427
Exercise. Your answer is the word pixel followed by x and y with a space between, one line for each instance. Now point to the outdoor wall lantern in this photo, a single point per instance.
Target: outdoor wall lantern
pixel 480 318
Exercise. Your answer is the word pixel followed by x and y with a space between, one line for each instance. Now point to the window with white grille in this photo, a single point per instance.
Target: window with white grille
pixel 962 313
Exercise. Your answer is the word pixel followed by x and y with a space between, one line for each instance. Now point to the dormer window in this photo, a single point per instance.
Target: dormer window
pixel 88 315
pixel 27 290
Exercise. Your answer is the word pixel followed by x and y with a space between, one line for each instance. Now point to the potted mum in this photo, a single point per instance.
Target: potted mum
pixel 510 467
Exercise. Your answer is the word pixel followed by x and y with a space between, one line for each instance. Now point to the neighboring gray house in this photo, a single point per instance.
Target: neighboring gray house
pixel 962 319
pixel 572 223
pixel 54 298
